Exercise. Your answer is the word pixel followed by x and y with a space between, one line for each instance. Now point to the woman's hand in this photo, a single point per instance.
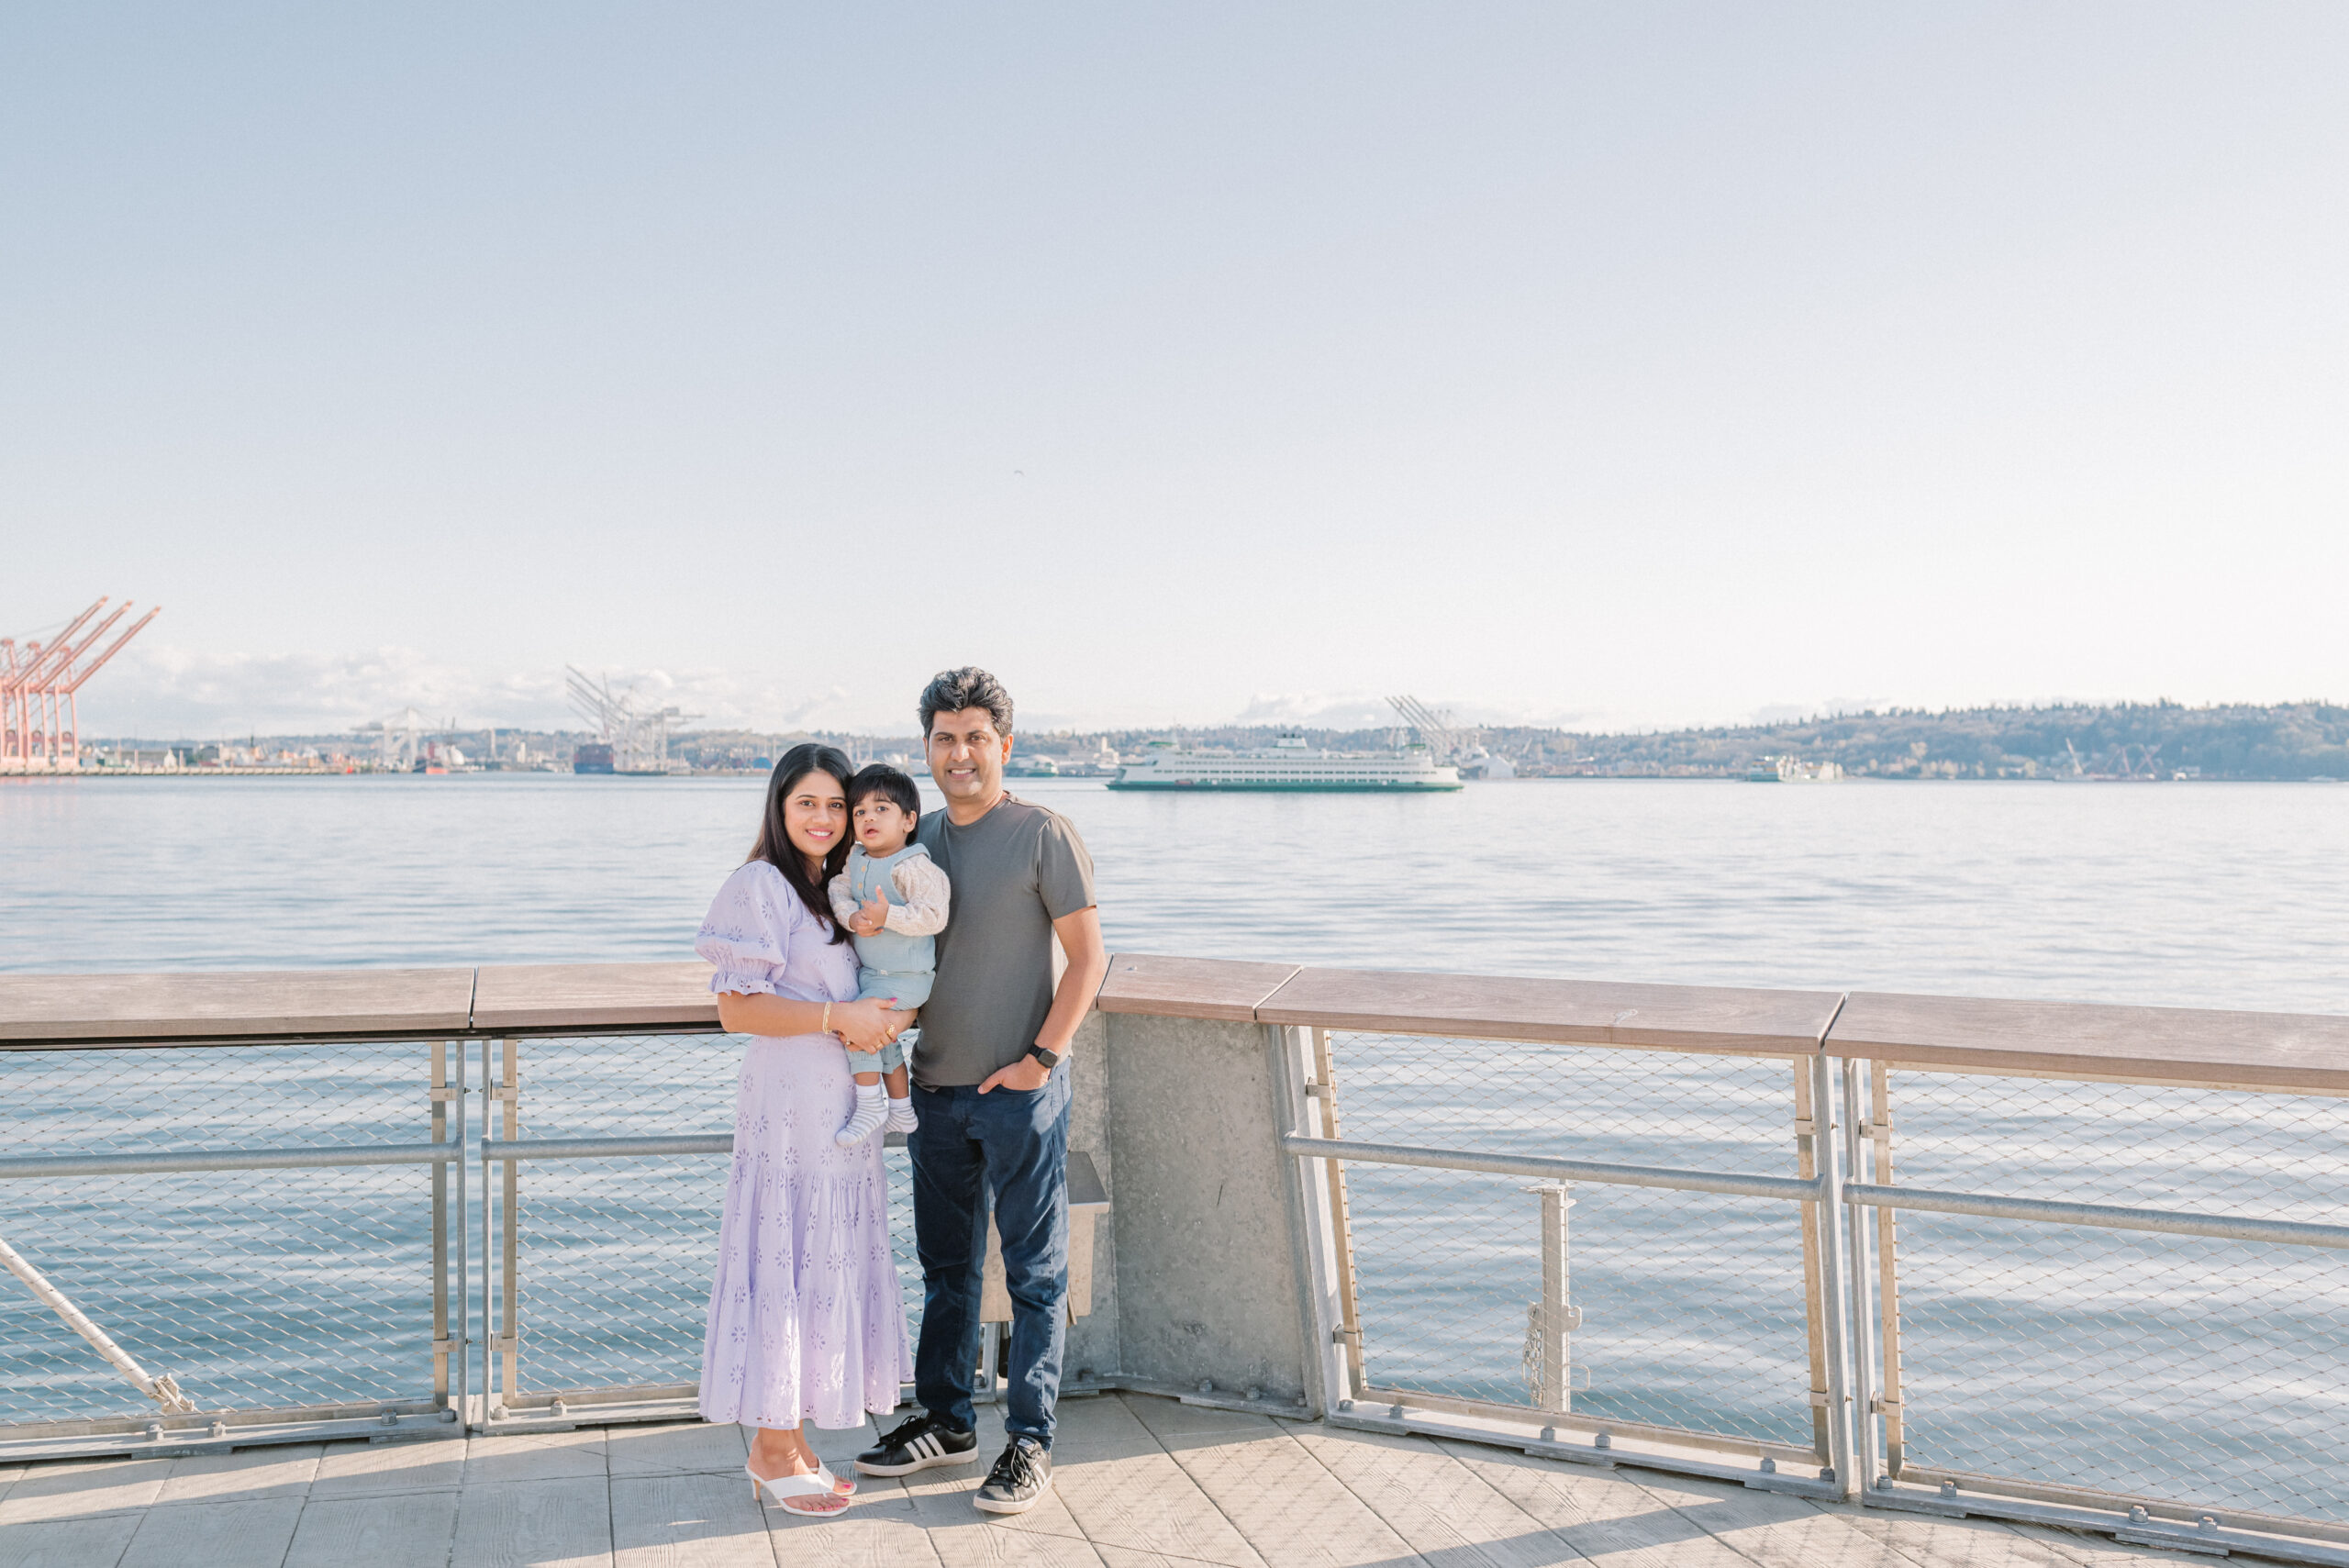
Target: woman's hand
pixel 867 1026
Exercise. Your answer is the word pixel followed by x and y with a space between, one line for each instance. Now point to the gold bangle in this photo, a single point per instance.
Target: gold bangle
pixel 827 1025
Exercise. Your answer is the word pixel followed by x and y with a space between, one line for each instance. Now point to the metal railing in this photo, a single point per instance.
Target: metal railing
pixel 327 1295
pixel 338 1270
pixel 2111 1302
pixel 2111 1306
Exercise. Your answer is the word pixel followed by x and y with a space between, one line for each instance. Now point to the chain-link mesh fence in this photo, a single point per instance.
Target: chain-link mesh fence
pixel 613 1255
pixel 2152 1365
pixel 1692 1304
pixel 252 1289
pixel 283 1289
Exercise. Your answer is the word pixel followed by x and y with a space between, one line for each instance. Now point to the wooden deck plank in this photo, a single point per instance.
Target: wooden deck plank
pixel 96 1540
pixel 83 1486
pixel 1044 1537
pixel 1717 1020
pixel 594 995
pixel 1280 1498
pixel 374 1470
pixel 253 1533
pixel 535 1456
pixel 1960 1544
pixel 1771 1528
pixel 876 1532
pixel 1139 1483
pixel 1138 1557
pixel 880 1529
pixel 1125 1490
pixel 1446 1511
pixel 242 1005
pixel 2185 1045
pixel 2097 1550
pixel 688 1520
pixel 564 1523
pixel 1189 987
pixel 971 1539
pixel 407 1529
pixel 1603 1514
pixel 242 1474
pixel 964 1537
pixel 682 1450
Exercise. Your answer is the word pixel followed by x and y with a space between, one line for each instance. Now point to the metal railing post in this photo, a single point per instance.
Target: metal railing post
pixel 1324 1090
pixel 464 1250
pixel 489 1323
pixel 1806 1167
pixel 1835 1292
pixel 1331 1379
pixel 1864 1420
pixel 1554 1318
pixel 440 1345
pixel 1887 1259
pixel 509 1216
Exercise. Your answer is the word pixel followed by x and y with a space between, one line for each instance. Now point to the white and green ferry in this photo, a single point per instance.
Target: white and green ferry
pixel 1289 762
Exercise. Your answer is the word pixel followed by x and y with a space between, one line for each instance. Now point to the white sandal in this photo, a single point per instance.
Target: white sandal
pixel 817 1483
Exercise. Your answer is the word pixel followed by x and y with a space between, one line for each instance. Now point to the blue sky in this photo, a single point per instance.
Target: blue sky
pixel 1621 365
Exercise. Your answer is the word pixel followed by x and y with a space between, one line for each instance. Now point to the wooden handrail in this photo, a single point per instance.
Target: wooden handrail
pixel 2305 1051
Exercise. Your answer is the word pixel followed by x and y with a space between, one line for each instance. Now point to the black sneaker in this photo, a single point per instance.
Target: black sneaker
pixel 1022 1475
pixel 917 1445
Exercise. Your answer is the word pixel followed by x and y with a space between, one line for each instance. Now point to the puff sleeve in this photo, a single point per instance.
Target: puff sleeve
pixel 748 933
pixel 926 892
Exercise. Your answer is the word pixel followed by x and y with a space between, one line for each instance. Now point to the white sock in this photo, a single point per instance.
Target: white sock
pixel 871 1110
pixel 901 1114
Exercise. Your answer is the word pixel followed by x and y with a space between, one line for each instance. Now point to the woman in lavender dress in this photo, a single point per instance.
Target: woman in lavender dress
pixel 806 1322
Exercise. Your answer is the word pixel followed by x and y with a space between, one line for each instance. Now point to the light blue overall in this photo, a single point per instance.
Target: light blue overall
pixel 889 965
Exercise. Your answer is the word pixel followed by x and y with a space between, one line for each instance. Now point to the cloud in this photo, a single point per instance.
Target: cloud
pixel 1320 710
pixel 169 692
pixel 1362 710
pixel 163 692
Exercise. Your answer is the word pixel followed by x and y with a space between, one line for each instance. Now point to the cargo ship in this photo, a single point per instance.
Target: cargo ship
pixel 1288 763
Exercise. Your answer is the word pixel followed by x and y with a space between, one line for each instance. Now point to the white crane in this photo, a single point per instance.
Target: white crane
pixel 638 737
pixel 1435 727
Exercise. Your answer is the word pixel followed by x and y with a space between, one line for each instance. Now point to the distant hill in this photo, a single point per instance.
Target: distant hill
pixel 2295 740
pixel 2292 740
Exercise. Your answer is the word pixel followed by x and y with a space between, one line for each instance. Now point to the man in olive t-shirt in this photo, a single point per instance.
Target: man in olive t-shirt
pixel 991 1090
pixel 1015 871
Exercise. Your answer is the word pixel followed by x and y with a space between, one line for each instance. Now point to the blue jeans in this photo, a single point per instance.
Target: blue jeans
pixel 1012 1148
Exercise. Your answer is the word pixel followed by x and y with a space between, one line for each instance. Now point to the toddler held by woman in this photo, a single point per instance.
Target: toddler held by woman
pixel 893 900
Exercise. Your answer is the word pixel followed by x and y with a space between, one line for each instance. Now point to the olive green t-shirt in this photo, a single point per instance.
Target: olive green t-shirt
pixel 1014 872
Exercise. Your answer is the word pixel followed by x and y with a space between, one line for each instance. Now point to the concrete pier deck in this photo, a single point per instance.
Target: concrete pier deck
pixel 1141 1483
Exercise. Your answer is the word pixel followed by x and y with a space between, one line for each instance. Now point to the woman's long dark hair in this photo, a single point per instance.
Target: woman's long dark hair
pixel 775 845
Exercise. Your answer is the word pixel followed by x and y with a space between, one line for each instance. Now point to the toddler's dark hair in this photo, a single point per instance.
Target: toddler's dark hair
pixel 890 784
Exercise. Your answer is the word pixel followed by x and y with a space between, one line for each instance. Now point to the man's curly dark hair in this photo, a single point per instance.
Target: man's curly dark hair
pixel 952 691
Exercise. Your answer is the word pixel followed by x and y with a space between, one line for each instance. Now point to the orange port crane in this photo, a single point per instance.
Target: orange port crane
pixel 40 729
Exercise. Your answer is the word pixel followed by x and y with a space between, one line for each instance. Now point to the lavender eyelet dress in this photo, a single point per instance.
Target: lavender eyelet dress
pixel 806 1322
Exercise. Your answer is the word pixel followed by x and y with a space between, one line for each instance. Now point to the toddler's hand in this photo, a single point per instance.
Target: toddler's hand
pixel 872 917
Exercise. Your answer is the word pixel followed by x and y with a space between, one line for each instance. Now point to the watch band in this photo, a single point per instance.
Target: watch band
pixel 1048 1058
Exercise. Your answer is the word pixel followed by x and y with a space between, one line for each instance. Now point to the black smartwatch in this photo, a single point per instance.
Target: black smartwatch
pixel 1050 1059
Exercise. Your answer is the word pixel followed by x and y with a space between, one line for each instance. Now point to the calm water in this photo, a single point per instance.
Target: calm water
pixel 2209 894
pixel 2226 895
